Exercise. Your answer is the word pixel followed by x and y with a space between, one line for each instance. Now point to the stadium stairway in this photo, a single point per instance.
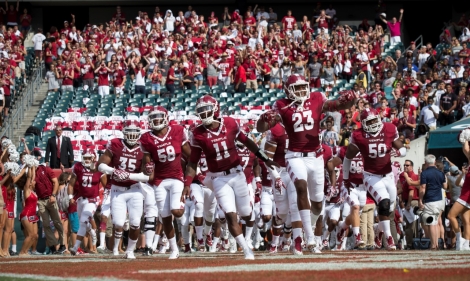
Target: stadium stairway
pixel 28 119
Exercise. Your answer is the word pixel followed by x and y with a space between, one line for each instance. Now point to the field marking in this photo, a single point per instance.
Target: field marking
pixel 54 278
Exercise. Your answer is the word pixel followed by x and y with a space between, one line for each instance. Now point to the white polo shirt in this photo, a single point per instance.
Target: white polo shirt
pixel 428 116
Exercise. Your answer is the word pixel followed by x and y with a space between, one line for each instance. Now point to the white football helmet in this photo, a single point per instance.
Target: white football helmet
pixel 131 132
pixel 368 115
pixel 88 158
pixel 207 109
pixel 158 118
pixel 297 88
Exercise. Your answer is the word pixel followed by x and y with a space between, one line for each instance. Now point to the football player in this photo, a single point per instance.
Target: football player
pixel 88 180
pixel 165 144
pixel 375 141
pixel 105 212
pixel 300 113
pixel 216 138
pixel 128 165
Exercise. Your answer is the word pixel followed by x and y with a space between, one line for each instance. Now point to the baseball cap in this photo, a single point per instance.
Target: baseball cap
pixel 454 170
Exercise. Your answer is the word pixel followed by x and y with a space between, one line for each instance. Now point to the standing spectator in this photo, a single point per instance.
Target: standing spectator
pixel 37 39
pixel 51 77
pixel 12 13
pixel 171 78
pixel 164 66
pixel 272 16
pixel 447 104
pixel 88 75
pixel 466 107
pixel 59 149
pixel 430 198
pixel 211 72
pixel 330 136
pixel 47 187
pixel 409 198
pixel 429 114
pixel 119 79
pixel 407 124
pixel 288 21
pixel 394 27
pixel 139 78
pixel 25 20
pixel 240 78
pixel 367 223
pixel 103 79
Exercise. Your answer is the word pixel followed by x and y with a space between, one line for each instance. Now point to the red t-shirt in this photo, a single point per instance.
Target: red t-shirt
pixel 103 79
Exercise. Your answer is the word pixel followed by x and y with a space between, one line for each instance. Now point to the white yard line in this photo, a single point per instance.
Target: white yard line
pixel 53 278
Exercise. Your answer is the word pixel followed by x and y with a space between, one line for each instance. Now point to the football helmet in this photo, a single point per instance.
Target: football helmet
pixel 297 88
pixel 158 118
pixel 88 158
pixel 368 116
pixel 131 131
pixel 207 109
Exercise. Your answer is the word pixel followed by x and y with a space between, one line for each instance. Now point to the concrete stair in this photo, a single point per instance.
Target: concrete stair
pixel 29 116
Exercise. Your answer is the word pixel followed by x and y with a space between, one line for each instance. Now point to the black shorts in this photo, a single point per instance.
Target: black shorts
pixel 1 103
pixel 7 101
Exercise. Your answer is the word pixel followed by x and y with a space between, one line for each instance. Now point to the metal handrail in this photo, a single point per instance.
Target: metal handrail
pixel 23 103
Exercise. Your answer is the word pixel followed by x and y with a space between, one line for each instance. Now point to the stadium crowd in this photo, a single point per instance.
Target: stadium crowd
pixel 349 69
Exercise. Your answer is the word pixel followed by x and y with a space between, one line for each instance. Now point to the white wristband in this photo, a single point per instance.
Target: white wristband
pixel 70 196
pixel 402 151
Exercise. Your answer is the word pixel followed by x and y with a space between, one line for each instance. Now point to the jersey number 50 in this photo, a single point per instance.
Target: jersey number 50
pixel 377 150
pixel 298 117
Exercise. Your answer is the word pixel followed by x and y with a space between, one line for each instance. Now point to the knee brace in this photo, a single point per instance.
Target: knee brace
pixel 149 224
pixel 384 207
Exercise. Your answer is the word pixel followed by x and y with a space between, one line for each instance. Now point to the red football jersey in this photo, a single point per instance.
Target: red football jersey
pixel 165 152
pixel 125 158
pixel 278 135
pixel 247 159
pixel 302 127
pixel 357 165
pixel 218 146
pixel 88 181
pixel 203 164
pixel 327 153
pixel 376 150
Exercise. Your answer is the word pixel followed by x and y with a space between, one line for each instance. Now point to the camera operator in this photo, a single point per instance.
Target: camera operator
pixel 430 198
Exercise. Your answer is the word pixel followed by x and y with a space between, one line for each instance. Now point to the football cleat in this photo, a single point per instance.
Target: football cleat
pixel 311 243
pixel 340 236
pixel 378 240
pixel 316 250
pixel 297 246
pixel 187 249
pixel 233 247
pixel 209 240
pixel 248 254
pixel 249 242
pixel 359 243
pixel 147 251
pixel 257 245
pixel 286 245
pixel 391 244
pixel 273 249
pixel 174 255
pixel 201 247
pixel 73 252
pixel 129 256
pixel 115 253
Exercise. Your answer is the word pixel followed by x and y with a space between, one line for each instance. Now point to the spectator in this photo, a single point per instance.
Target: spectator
pixel 447 102
pixel 272 16
pixel 430 196
pixel 51 78
pixel 394 27
pixel 25 20
pixel 410 199
pixel 59 153
pixel 171 78
pixel 37 39
pixel 407 124
pixel 430 114
pixel 367 223
pixel 330 137
pixel 46 189
pixel 240 78
pixel 466 107
pixel 103 79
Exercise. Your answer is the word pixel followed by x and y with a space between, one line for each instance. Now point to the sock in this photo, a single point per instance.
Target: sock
pixel 296 232
pixel 215 240
pixel 207 229
pixel 355 230
pixel 149 235
pixel 77 245
pixel 93 235
pixel 248 232
pixel 199 230
pixel 342 225
pixel 241 241
pixel 314 219
pixel 103 239
pixel 386 228
pixel 13 247
pixel 156 239
pixel 275 241
pixel 466 244
pixel 307 222
pixel 319 241
pixel 173 246
pixel 131 245
pixel 116 244
pixel 326 235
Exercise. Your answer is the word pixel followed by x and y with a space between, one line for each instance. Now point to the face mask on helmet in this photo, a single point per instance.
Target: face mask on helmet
pixel 206 114
pixel 131 134
pixel 158 120
pixel 299 91
pixel 372 124
pixel 88 160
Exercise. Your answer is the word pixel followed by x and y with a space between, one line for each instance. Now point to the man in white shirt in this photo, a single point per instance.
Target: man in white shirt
pixel 441 89
pixel 429 114
pixel 466 107
pixel 37 39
